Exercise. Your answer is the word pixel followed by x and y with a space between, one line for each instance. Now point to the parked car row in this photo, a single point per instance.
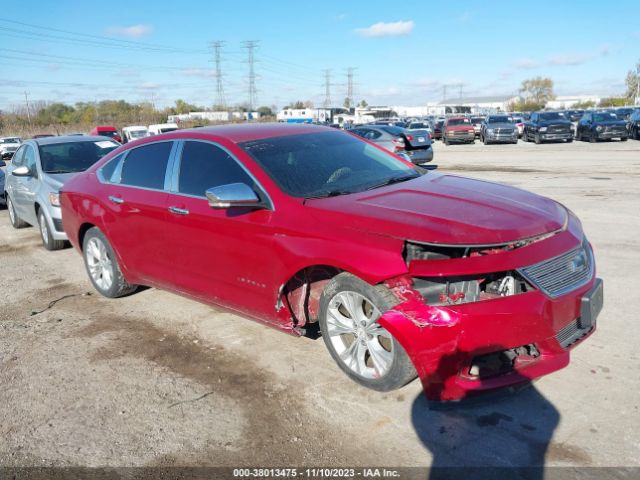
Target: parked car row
pixel 407 273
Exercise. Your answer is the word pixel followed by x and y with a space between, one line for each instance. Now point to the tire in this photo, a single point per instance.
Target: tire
pixel 102 266
pixel 592 138
pixel 623 139
pixel 45 233
pixel 569 140
pixel 446 141
pixel 537 139
pixel 16 221
pixel 524 136
pixel 392 369
pixel 637 134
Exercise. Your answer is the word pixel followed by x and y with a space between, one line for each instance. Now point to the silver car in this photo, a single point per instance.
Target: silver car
pixel 498 129
pixel 37 172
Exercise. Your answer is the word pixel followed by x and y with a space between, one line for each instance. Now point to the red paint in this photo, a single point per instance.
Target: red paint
pixel 241 261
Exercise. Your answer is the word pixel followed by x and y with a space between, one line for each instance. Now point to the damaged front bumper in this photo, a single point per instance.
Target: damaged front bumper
pixel 462 348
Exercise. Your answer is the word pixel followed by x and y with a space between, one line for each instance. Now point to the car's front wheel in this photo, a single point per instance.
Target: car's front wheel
pixel 362 348
pixel 45 233
pixel 102 266
pixel 15 220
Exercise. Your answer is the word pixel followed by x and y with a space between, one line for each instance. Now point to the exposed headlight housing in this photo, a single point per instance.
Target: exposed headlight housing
pixel 54 199
pixel 490 131
pixel 599 128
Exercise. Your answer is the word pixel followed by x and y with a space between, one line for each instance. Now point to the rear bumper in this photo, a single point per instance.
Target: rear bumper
pixel 419 156
pixel 443 354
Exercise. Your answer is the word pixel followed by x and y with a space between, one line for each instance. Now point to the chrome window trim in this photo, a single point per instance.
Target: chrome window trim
pixel 176 173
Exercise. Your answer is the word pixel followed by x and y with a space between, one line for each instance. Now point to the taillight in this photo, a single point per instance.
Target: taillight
pixel 398 143
pixel 409 137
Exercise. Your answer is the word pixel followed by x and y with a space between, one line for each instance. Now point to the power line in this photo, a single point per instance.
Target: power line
pixel 217 46
pixel 251 45
pixel 327 89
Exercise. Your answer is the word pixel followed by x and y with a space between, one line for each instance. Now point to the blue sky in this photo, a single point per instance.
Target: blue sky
pixel 404 51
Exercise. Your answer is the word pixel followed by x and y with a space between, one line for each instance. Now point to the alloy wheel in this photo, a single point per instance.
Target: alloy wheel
pixel 99 263
pixel 365 347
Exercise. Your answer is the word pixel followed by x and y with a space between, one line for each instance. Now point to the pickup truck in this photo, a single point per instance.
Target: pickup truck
pixel 547 126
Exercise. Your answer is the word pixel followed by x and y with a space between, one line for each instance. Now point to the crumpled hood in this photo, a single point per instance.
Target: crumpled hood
pixel 444 209
pixel 56 180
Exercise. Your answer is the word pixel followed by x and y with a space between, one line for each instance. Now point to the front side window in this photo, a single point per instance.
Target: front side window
pixel 17 158
pixel 146 166
pixel 325 164
pixel 29 159
pixel 204 165
pixel 73 156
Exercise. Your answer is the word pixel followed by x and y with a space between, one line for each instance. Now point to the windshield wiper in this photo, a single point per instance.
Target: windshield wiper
pixel 328 193
pixel 392 180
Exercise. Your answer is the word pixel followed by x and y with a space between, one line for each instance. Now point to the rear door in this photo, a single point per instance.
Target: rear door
pixel 137 205
pixel 223 256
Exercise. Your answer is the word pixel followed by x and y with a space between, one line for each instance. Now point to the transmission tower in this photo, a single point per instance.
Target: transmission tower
pixel 350 71
pixel 327 89
pixel 251 45
pixel 220 99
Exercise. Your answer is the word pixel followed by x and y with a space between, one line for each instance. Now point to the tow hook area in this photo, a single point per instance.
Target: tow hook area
pixel 501 362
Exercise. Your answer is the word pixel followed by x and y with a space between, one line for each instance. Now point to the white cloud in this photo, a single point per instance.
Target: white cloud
pixel 387 29
pixel 525 63
pixel 148 86
pixel 132 31
pixel 569 60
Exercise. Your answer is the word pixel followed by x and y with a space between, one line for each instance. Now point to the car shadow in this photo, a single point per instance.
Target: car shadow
pixel 501 434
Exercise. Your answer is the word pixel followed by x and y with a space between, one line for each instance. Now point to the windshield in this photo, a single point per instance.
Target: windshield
pixel 107 133
pixel 458 121
pixel 476 120
pixel 604 117
pixel 138 133
pixel 417 125
pixel 552 116
pixel 73 156
pixel 10 140
pixel 326 164
pixel 499 119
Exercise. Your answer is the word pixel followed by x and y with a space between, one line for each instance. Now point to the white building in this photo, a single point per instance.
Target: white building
pixel 496 103
pixel 213 116
pixel 569 101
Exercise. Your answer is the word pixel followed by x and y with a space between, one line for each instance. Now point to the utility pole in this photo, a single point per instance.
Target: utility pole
pixel 327 89
pixel 251 45
pixel 26 100
pixel 220 99
pixel 350 71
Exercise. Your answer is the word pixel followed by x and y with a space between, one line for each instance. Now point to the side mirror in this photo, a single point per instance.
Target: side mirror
pixel 232 195
pixel 22 171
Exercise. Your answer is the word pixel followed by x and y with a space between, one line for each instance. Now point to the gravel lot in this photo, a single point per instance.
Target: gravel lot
pixel 158 380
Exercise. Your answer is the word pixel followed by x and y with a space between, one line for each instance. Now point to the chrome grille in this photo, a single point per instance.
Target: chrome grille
pixel 501 131
pixel 571 334
pixel 563 273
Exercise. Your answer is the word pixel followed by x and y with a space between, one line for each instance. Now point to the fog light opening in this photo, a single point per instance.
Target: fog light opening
pixel 502 362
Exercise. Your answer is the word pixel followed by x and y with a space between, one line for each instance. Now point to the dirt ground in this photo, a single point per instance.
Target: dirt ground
pixel 158 380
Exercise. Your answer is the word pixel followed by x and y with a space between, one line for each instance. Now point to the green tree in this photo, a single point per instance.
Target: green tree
pixel 525 106
pixel 584 105
pixel 265 111
pixel 613 102
pixel 184 107
pixel 347 103
pixel 632 81
pixel 363 104
pixel 538 90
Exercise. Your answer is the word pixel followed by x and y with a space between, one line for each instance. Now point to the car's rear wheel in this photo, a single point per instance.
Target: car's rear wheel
pixel 362 348
pixel 15 220
pixel 102 266
pixel 45 233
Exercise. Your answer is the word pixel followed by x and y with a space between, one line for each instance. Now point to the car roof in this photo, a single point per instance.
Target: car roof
pixel 256 131
pixel 69 139
pixel 104 127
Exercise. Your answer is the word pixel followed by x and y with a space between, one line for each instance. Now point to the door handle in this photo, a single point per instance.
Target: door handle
pixel 117 200
pixel 178 211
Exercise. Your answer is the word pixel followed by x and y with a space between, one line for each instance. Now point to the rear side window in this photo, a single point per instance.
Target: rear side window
pixel 146 166
pixel 204 165
pixel 109 168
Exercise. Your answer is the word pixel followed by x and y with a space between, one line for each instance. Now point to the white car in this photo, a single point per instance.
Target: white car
pixel 8 146
pixel 132 133
pixel 159 128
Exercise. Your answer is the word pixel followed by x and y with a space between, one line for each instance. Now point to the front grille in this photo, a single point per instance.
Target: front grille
pixel 615 129
pixel 562 274
pixel 572 333
pixel 558 129
pixel 504 131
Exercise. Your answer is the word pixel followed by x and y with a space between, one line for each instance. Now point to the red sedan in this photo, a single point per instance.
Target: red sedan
pixel 467 284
